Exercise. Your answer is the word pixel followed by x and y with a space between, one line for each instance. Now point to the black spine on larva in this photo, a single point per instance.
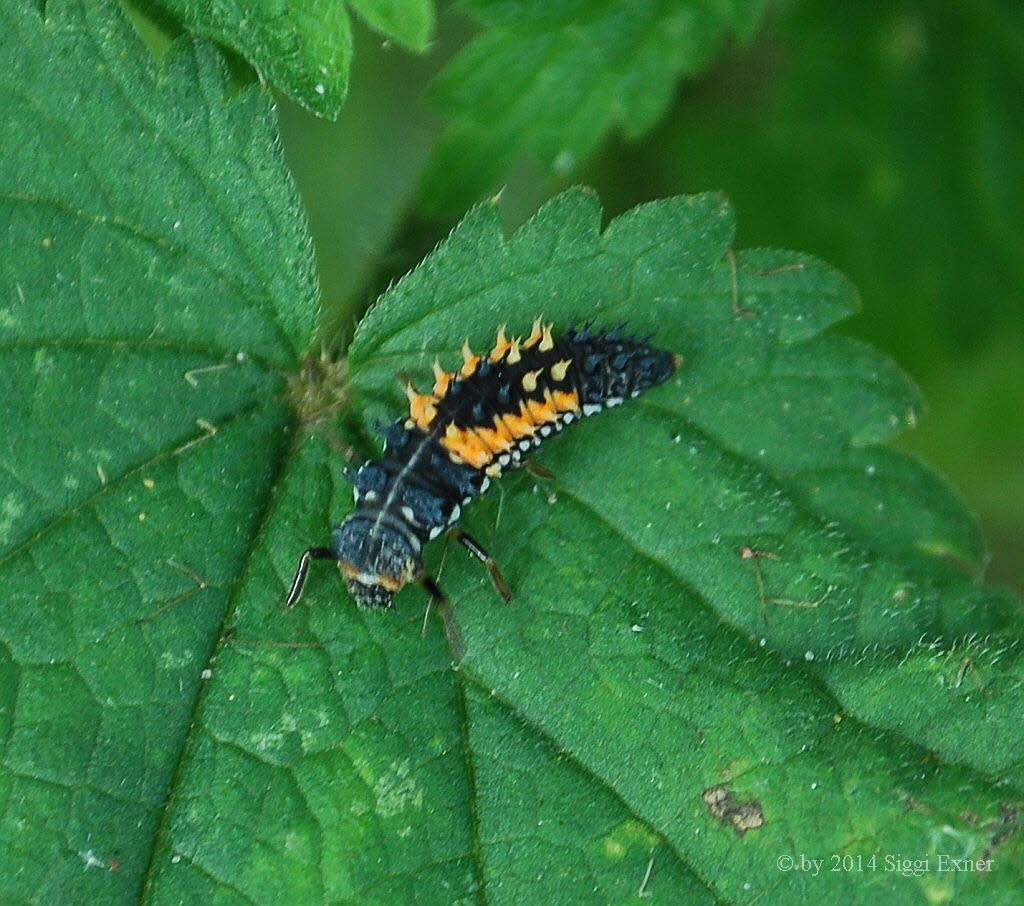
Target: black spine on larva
pixel 610 368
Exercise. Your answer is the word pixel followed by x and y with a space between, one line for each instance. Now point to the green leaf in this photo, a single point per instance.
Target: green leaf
pixel 304 47
pixel 548 80
pixel 409 22
pixel 169 735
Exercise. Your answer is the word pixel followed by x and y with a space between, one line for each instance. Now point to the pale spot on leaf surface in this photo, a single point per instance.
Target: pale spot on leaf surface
pixel 397 790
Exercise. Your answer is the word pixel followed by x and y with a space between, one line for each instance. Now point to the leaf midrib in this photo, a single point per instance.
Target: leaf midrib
pixel 218 640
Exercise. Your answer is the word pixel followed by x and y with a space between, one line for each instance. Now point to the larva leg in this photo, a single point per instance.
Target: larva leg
pixel 451 628
pixel 295 592
pixel 538 471
pixel 475 548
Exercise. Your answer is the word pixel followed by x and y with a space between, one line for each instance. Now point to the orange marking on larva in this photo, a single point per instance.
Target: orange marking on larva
pixel 496 442
pixel 559 369
pixel 541 413
pixel 422 408
pixel 423 411
pixel 519 425
pixel 493 470
pixel 503 430
pixel 566 402
pixel 468 445
pixel 535 335
pixel 530 380
pixel 442 380
pixel 469 361
pixel 391 583
pixel 501 345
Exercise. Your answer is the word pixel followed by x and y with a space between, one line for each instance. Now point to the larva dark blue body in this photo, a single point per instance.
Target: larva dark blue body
pixel 476 423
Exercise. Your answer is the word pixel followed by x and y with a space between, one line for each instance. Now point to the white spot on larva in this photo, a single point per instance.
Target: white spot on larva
pixel 456 513
pixel 545 430
pixel 370 496
pixel 634 394
pixel 355 494
pixel 570 417
pixel 525 444
pixel 396 790
pixel 591 408
pixel 435 531
pixel 613 401
pixel 504 459
pixel 485 484
pixel 409 515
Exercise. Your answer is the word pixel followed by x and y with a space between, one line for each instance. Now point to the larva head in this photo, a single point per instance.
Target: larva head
pixel 377 555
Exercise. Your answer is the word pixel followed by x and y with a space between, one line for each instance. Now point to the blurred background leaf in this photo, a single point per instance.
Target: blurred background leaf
pixel 548 79
pixel 302 47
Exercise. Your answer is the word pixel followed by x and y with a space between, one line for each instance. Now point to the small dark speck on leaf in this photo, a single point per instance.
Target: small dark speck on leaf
pixel 1005 826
